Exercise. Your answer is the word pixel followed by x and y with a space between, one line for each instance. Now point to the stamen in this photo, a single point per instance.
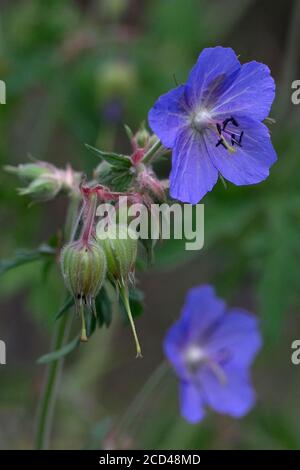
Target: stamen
pixel 220 142
pixel 236 139
pixel 240 139
pixel 218 371
pixel 225 144
pixel 234 122
pixel 228 120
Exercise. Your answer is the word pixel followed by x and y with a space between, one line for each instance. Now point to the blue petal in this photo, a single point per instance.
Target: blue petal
pixel 250 163
pixel 250 93
pixel 237 336
pixel 234 397
pixel 169 115
pixel 191 402
pixel 175 343
pixel 193 173
pixel 212 67
pixel 202 310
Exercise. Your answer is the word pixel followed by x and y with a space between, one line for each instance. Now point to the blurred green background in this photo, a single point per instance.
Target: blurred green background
pixel 75 71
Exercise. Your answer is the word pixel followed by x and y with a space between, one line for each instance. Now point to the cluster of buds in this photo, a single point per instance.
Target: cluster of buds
pixel 44 181
pixel 86 262
pixel 88 259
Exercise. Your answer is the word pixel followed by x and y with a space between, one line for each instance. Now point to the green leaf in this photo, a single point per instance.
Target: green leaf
pixel 136 300
pixel 117 179
pixel 103 308
pixel 25 256
pixel 114 159
pixel 90 321
pixel 59 353
pixel 121 181
pixel 68 303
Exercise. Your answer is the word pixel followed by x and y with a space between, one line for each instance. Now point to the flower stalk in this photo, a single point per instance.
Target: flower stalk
pixel 125 298
pixel 60 335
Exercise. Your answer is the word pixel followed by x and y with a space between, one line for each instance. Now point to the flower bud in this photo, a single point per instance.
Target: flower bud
pixel 142 137
pixel 43 188
pixel 45 181
pixel 120 247
pixel 147 181
pixel 84 268
pixel 28 171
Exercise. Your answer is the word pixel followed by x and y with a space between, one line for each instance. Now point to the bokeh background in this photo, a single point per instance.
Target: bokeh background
pixel 75 72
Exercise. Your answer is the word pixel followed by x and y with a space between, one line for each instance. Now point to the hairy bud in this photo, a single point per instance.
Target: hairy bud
pixel 43 188
pixel 44 180
pixel 28 171
pixel 120 247
pixel 84 268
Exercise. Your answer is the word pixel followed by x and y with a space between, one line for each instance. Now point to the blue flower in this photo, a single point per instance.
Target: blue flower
pixel 211 349
pixel 213 124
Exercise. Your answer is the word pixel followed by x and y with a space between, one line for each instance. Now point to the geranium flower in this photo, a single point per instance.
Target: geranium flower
pixel 213 124
pixel 211 349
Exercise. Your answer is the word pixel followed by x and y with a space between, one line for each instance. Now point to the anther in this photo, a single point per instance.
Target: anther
pixel 221 142
pixel 228 120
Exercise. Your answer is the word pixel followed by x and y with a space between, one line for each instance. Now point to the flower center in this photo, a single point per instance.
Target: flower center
pixel 195 357
pixel 201 120
pixel 228 133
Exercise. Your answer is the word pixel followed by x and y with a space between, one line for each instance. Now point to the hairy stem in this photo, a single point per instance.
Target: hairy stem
pixel 60 335
pixel 151 154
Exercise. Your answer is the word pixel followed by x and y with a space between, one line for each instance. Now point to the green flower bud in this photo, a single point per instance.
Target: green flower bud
pixel 28 171
pixel 43 188
pixel 45 181
pixel 142 137
pixel 120 247
pixel 84 268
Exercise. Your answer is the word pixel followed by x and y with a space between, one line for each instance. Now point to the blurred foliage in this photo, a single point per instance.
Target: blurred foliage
pixel 76 71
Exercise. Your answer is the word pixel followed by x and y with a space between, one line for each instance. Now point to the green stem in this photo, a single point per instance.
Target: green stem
pixel 60 335
pixel 47 401
pixel 125 297
pixel 140 399
pixel 148 157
